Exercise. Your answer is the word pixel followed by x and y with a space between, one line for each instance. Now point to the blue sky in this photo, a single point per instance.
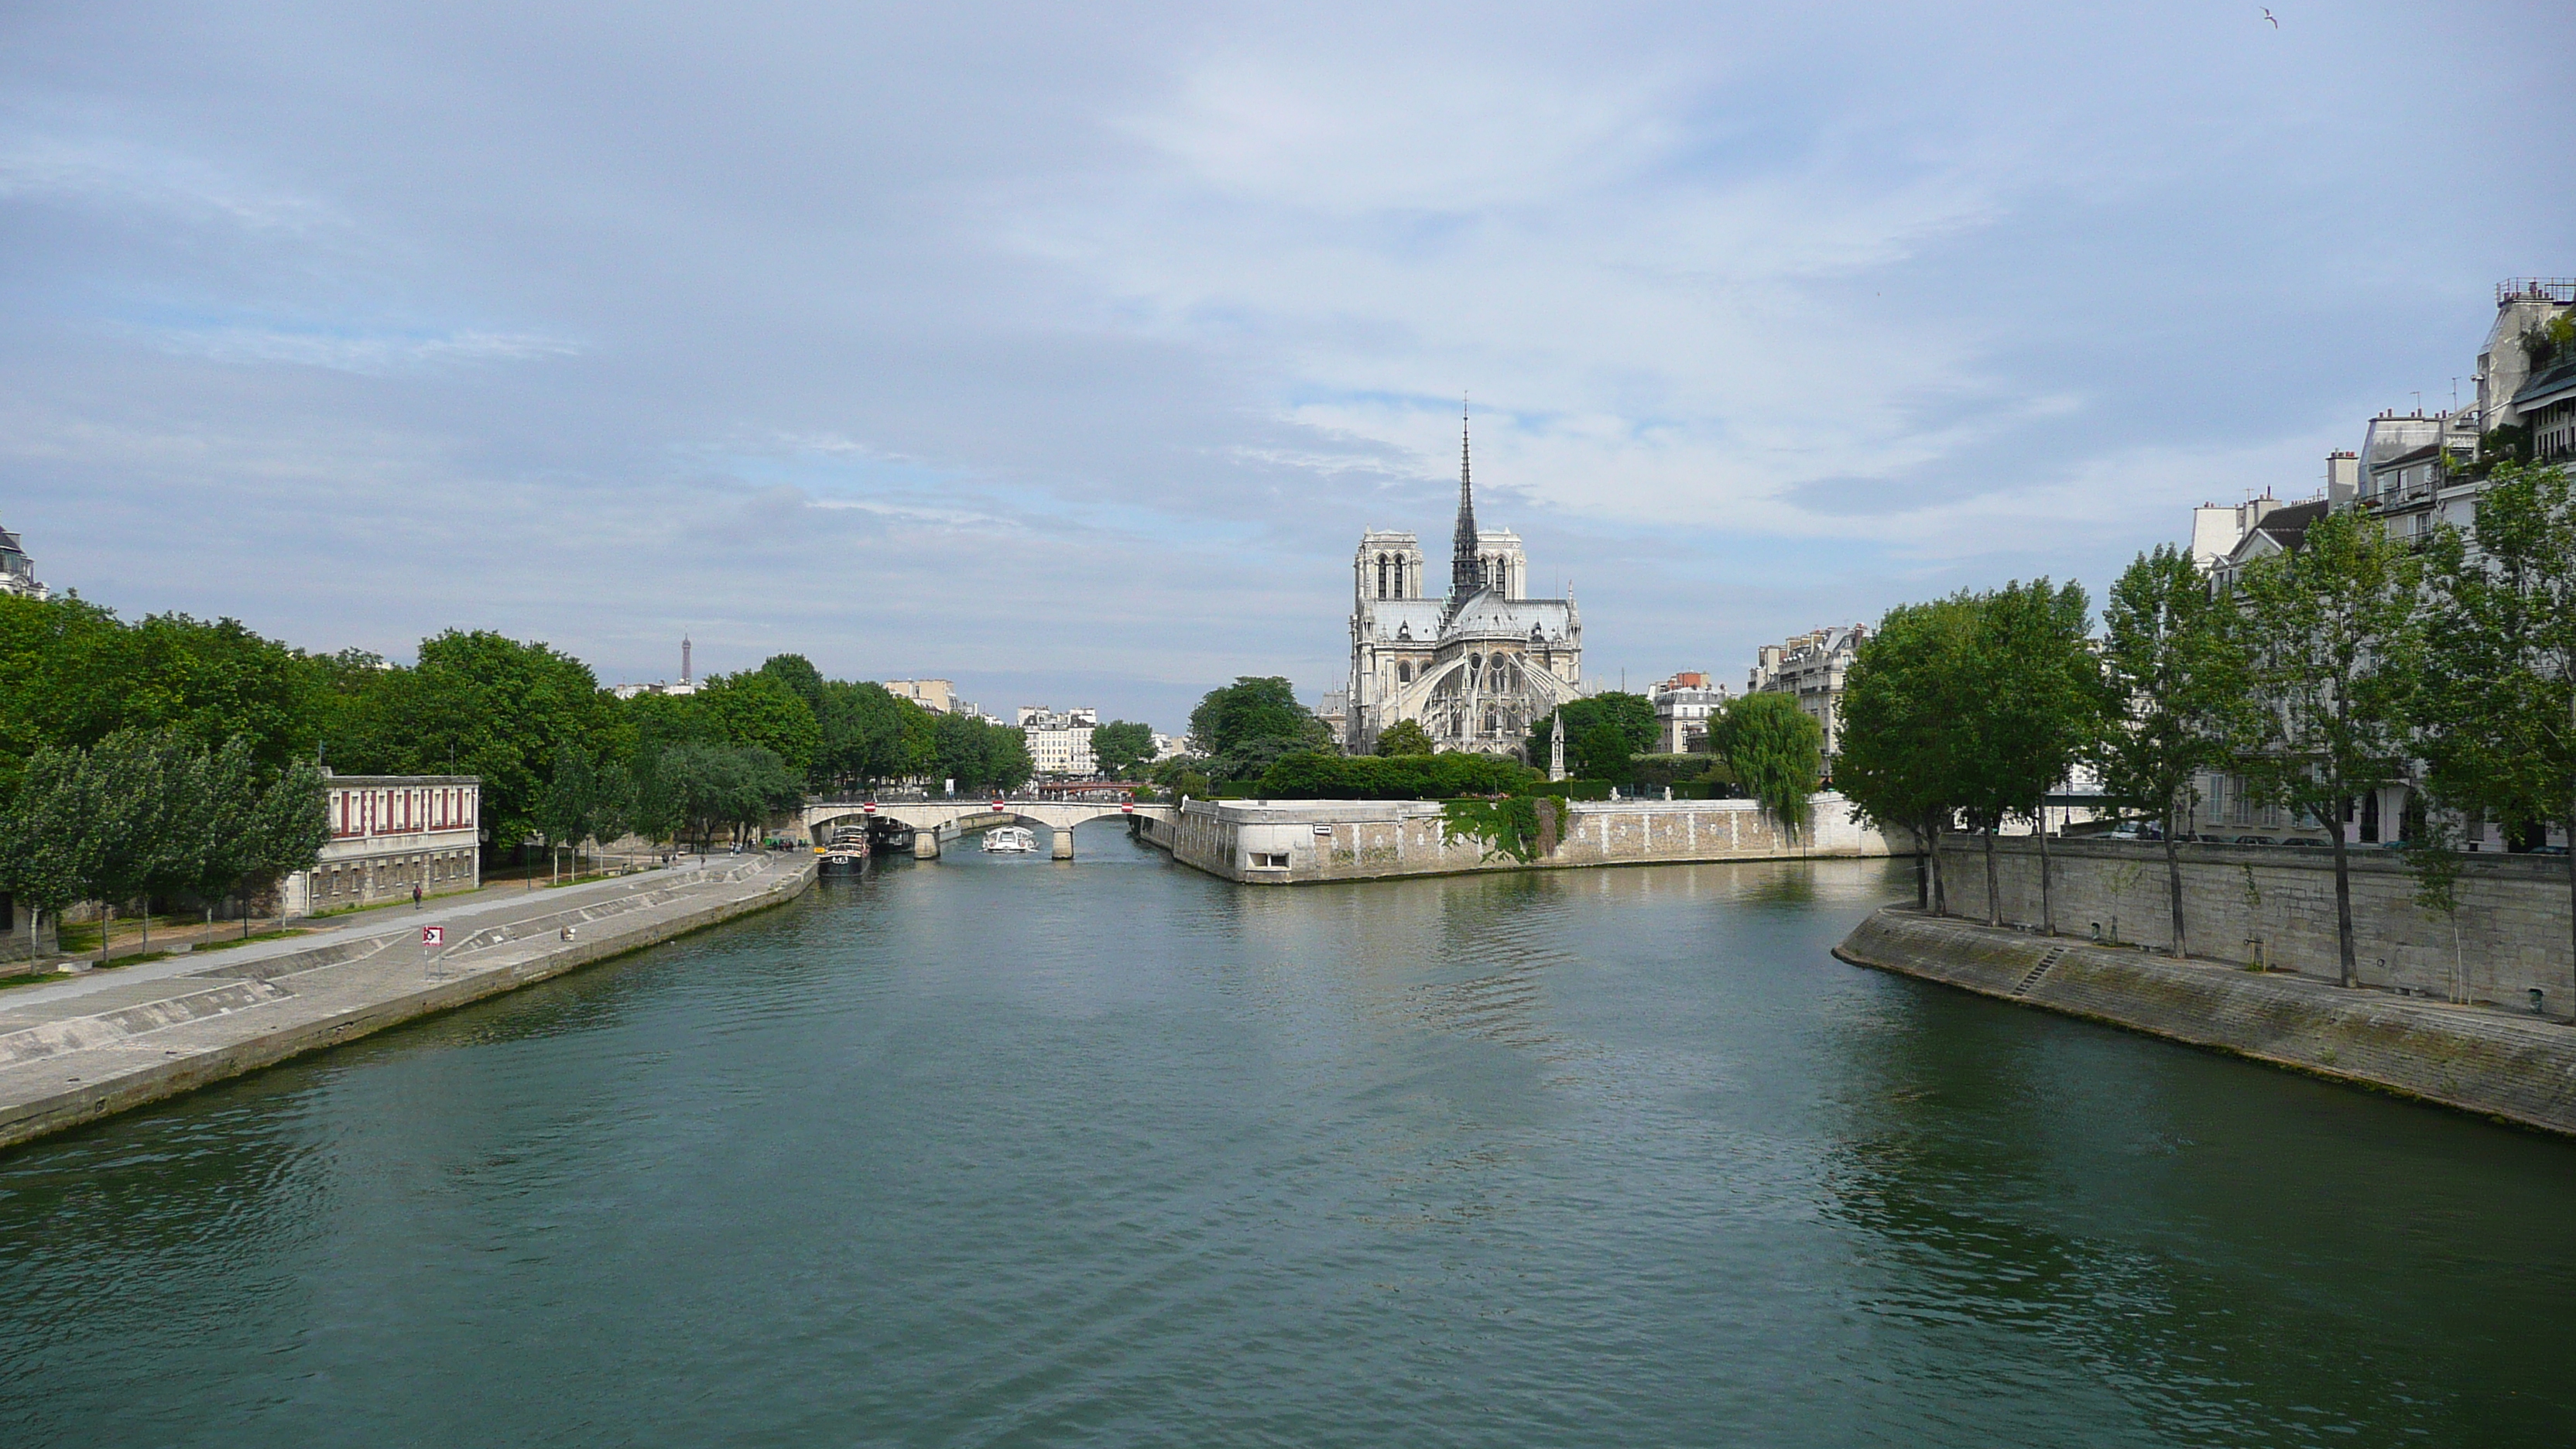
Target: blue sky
pixel 1066 355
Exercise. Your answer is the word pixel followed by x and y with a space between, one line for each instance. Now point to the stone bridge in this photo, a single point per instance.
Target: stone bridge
pixel 935 822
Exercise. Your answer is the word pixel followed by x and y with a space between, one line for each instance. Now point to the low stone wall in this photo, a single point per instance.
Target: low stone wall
pixel 1295 842
pixel 2242 903
pixel 2519 1068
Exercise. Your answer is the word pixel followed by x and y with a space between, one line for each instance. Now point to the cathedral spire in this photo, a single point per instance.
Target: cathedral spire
pixel 1466 575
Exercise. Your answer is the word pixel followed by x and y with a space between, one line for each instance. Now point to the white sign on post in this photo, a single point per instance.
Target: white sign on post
pixel 433 936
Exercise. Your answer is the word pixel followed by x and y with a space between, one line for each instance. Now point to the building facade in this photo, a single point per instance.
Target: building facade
pixel 1683 705
pixel 390 833
pixel 1474 667
pixel 17 571
pixel 1810 667
pixel 939 696
pixel 1059 740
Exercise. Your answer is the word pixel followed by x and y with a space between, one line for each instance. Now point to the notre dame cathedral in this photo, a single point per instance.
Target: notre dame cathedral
pixel 1474 668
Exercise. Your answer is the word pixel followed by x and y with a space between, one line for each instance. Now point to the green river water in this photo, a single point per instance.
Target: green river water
pixel 1003 1151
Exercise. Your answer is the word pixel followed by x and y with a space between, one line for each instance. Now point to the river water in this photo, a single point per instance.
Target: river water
pixel 1002 1151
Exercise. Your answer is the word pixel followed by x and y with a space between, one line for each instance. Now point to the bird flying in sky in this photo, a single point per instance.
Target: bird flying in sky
pixel 2276 22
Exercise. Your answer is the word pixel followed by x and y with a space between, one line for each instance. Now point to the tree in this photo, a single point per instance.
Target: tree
pixel 799 675
pixel 49 832
pixel 2174 672
pixel 147 791
pixel 2496 716
pixel 1253 709
pixel 2334 635
pixel 1776 751
pixel 1900 759
pixel 1633 714
pixel 483 705
pixel 570 799
pixel 1122 747
pixel 1405 737
pixel 755 710
pixel 72 674
pixel 2033 705
pixel 979 754
pixel 1601 753
pixel 289 828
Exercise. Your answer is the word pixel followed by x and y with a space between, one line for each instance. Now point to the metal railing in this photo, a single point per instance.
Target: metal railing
pixel 2537 289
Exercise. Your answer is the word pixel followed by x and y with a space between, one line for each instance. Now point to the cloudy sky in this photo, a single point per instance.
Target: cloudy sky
pixel 1065 351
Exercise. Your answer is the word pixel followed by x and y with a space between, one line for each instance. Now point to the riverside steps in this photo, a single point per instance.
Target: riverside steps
pixel 2518 1068
pixel 92 1045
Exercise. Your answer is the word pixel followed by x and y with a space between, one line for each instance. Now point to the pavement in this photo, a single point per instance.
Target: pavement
pixel 103 1041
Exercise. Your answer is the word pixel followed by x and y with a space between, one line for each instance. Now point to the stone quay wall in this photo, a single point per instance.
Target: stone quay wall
pixel 1298 842
pixel 148 1040
pixel 2500 1064
pixel 2275 905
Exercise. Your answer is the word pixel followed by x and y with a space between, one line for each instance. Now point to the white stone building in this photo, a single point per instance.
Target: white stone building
pixel 1474 668
pixel 1810 667
pixel 1059 740
pixel 1683 705
pixel 388 834
pixel 17 571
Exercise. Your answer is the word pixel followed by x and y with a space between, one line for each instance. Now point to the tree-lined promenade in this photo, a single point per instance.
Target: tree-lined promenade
pixel 2352 663
pixel 173 758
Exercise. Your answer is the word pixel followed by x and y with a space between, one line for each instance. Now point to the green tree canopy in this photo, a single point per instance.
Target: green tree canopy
pixel 2176 700
pixel 1776 751
pixel 1122 747
pixel 2496 716
pixel 1900 759
pixel 72 674
pixel 1601 752
pixel 1405 737
pixel 755 710
pixel 1632 714
pixel 484 705
pixel 2335 636
pixel 1252 709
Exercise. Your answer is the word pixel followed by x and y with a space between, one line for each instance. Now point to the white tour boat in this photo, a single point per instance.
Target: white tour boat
pixel 1010 839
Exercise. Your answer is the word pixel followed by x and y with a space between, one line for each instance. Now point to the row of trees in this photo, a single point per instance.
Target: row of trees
pixel 2354 662
pixel 146 813
pixel 512 713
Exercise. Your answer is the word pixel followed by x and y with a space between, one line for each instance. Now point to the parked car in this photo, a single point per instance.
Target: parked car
pixel 2256 840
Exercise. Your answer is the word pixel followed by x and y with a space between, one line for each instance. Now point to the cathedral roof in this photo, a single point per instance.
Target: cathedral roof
pixel 1488 613
pixel 1418 619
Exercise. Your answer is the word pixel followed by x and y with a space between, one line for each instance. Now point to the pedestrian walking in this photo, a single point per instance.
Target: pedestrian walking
pixel 415 897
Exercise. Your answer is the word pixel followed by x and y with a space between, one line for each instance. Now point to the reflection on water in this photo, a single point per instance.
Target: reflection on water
pixel 1001 1149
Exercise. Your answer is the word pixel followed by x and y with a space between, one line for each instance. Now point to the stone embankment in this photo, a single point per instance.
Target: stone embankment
pixel 2518 1068
pixel 2274 906
pixel 1296 842
pixel 76 1050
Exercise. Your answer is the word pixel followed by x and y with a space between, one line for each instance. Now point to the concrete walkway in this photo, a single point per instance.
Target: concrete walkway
pixel 88 1045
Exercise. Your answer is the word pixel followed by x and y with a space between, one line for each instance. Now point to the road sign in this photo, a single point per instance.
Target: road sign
pixel 870 808
pixel 1127 809
pixel 433 935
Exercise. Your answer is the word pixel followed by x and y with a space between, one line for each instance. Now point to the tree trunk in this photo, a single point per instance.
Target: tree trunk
pixel 1923 875
pixel 1994 892
pixel 1940 880
pixel 2047 902
pixel 2571 898
pixel 2343 901
pixel 2173 885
